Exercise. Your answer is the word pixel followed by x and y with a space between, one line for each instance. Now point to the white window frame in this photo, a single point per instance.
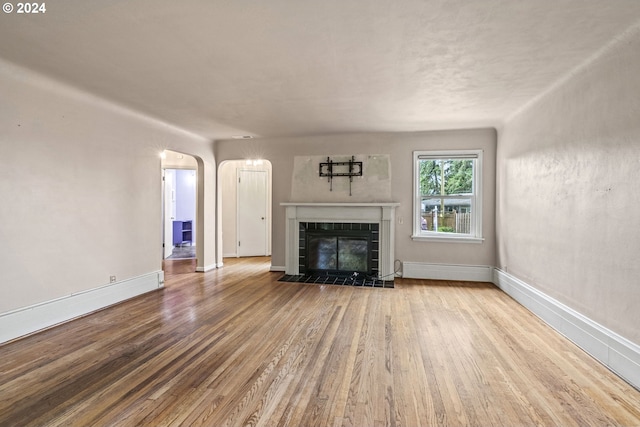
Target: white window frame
pixel 475 236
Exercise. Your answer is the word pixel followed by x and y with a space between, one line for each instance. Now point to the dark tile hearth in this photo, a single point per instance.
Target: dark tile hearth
pixel 326 279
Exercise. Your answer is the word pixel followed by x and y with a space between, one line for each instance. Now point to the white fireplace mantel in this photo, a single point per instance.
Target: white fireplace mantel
pixel 380 213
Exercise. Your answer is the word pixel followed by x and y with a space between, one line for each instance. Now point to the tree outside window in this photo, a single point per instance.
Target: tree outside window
pixel 447 186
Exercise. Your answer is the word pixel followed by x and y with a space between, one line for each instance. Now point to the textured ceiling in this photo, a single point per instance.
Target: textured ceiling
pixel 295 67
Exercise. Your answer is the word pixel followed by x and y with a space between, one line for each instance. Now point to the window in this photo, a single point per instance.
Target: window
pixel 447 195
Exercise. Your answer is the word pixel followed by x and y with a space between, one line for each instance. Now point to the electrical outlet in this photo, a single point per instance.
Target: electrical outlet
pixel 112 279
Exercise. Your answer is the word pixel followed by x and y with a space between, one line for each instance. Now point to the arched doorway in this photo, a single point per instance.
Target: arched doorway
pixel 179 205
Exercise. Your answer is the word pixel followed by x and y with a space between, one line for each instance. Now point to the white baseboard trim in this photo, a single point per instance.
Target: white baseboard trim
pixel 278 268
pixel 421 270
pixel 206 268
pixel 615 352
pixel 27 320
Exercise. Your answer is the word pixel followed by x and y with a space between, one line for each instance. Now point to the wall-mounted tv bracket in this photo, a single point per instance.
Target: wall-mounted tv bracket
pixel 331 169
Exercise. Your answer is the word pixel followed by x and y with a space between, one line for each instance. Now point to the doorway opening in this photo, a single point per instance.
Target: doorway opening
pixel 245 208
pixel 179 179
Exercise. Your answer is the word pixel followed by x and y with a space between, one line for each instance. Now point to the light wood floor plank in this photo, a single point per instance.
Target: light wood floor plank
pixel 236 347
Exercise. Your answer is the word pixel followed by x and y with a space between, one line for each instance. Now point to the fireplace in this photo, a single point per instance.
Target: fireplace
pixel 338 248
pixel 343 224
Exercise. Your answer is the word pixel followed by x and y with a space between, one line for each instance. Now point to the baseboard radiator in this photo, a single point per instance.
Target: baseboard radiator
pixel 472 273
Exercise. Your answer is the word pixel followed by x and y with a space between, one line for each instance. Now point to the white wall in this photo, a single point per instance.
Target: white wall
pixel 186 198
pixel 281 152
pixel 374 185
pixel 185 194
pixel 568 199
pixel 80 184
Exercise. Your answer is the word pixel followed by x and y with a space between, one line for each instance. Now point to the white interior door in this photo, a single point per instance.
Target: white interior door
pixel 169 178
pixel 252 213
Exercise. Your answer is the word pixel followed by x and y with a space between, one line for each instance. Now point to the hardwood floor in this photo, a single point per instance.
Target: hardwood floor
pixel 236 347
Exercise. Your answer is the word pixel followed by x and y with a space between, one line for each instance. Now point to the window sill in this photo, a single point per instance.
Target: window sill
pixel 447 239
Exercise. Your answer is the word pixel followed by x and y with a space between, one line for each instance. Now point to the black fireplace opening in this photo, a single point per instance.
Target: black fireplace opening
pixel 344 253
pixel 341 249
pixel 339 253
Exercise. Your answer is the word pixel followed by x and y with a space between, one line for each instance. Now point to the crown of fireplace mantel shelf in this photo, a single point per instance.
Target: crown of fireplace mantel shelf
pixel 382 213
pixel 361 204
